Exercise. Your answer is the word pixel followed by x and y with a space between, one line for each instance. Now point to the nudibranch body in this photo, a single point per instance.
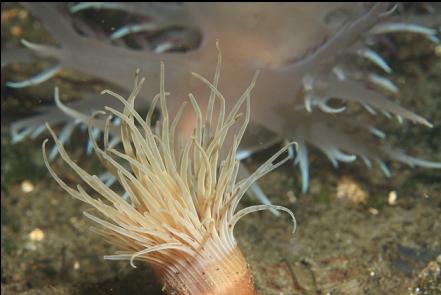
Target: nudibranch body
pixel 306 52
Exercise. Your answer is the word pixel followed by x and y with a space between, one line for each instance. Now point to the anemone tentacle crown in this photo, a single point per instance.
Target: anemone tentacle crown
pixel 181 196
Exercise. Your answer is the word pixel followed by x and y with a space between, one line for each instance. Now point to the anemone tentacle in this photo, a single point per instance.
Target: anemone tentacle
pixel 181 199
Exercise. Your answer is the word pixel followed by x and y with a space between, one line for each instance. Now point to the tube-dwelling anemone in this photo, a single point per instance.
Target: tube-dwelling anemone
pixel 181 197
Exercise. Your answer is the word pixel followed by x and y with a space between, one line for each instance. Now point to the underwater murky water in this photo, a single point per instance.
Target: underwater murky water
pixel 359 232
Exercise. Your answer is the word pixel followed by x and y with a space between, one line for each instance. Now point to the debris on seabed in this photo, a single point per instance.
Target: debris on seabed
pixel 392 198
pixel 292 199
pixel 348 189
pixel 373 211
pixel 438 50
pixel 429 279
pixel 37 235
pixel 16 31
pixel 27 186
pixel 76 265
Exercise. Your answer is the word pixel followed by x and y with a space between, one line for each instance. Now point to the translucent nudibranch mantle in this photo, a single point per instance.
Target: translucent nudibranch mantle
pixel 181 195
pixel 307 55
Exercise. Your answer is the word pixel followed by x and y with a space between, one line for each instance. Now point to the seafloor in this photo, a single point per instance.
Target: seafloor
pixel 351 238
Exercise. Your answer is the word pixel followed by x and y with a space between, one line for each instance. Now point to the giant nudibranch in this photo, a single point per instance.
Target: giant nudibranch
pixel 182 195
pixel 305 53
